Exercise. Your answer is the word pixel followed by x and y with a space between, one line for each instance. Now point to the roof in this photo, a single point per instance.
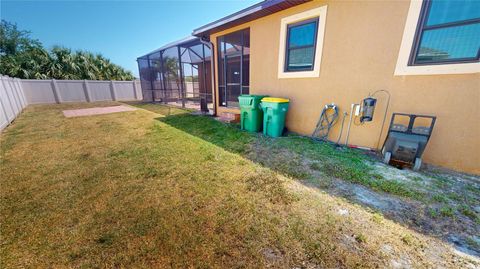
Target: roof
pixel 251 13
pixel 183 41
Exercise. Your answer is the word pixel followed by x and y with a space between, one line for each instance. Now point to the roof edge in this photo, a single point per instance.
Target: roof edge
pixel 182 41
pixel 249 11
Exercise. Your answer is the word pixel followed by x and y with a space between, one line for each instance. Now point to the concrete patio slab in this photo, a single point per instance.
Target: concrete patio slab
pixel 96 111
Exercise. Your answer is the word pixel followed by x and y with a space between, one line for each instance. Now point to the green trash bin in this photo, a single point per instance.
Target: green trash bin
pixel 251 114
pixel 274 113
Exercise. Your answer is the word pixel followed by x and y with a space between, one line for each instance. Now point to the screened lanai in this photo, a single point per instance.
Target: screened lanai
pixel 178 74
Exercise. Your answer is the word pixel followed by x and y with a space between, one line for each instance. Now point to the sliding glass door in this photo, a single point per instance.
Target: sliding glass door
pixel 233 66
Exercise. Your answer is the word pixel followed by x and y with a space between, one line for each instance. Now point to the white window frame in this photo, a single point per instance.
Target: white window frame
pixel 321 14
pixel 406 47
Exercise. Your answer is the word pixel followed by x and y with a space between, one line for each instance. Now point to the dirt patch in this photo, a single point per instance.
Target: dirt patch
pixel 445 204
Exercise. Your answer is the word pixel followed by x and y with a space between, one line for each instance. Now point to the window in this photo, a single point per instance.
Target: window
pixel 301 42
pixel 300 51
pixel 440 37
pixel 448 32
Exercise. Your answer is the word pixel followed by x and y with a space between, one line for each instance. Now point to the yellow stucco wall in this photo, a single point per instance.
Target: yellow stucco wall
pixel 361 45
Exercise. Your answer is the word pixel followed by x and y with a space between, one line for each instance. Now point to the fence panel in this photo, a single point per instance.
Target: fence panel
pixel 100 90
pixel 13 96
pixel 61 91
pixel 7 112
pixel 7 104
pixel 71 90
pixel 12 100
pixel 124 90
pixel 38 91
pixel 16 95
pixel 3 114
pixel 20 91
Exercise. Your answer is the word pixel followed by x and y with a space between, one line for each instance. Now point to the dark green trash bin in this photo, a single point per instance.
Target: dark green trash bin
pixel 274 114
pixel 251 114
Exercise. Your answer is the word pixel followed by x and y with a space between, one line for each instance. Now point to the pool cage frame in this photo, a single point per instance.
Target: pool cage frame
pixel 180 74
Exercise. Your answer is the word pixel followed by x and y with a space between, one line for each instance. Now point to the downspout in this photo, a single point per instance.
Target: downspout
pixel 210 45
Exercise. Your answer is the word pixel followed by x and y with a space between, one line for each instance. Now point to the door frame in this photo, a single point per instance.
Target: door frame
pixel 224 67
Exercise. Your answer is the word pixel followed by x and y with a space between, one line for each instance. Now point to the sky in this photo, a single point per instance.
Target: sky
pixel 119 30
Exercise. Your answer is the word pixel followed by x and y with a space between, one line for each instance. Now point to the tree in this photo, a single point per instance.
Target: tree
pixel 13 40
pixel 24 57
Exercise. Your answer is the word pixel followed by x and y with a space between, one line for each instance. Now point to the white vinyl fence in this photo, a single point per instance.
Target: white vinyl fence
pixel 61 91
pixel 12 100
pixel 16 94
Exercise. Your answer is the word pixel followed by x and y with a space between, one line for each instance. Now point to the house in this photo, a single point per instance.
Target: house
pixel 424 53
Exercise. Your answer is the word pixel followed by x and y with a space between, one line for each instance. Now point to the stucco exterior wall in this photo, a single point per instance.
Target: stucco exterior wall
pixel 361 45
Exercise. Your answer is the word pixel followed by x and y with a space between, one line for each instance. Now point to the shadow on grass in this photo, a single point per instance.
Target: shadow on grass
pixel 292 155
pixel 342 172
pixel 227 136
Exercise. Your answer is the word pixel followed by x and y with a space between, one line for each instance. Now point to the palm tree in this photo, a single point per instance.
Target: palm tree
pixel 24 57
pixel 86 65
pixel 63 64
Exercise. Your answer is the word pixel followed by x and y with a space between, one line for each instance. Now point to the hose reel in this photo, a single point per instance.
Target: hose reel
pixel 327 119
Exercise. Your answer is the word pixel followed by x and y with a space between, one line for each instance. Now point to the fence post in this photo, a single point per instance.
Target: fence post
pixel 86 91
pixel 135 89
pixel 112 90
pixel 58 99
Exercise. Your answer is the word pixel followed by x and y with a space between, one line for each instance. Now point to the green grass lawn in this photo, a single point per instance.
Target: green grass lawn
pixel 347 164
pixel 163 189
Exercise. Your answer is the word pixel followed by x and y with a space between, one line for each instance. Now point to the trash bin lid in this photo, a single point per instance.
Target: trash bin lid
pixel 275 100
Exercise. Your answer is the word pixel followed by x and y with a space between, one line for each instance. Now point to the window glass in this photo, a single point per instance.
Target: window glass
pixel 300 52
pixel 300 59
pixel 450 32
pixel 449 43
pixel 302 35
pixel 445 11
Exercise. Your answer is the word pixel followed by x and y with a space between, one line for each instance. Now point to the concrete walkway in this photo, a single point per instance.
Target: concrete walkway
pixel 96 111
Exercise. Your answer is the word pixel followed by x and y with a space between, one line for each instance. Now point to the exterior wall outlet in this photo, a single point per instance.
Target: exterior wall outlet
pixel 357 110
